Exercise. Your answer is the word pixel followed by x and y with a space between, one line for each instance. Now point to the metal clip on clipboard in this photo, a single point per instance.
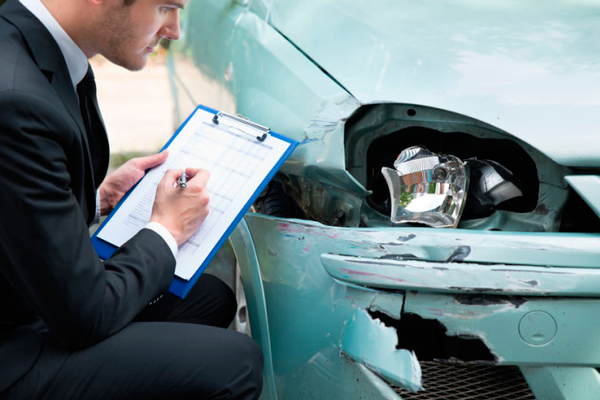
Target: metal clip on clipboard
pixel 234 121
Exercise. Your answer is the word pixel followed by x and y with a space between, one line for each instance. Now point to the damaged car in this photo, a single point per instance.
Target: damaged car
pixel 436 232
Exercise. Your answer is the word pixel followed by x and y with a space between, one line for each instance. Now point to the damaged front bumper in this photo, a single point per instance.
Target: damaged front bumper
pixel 353 306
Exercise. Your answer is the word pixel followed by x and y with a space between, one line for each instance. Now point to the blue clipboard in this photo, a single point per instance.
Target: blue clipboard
pixel 181 287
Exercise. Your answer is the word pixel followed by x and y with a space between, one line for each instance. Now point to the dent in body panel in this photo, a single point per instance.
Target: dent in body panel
pixel 331 116
pixel 316 178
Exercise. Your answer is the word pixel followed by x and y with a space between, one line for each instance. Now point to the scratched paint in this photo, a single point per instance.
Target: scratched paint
pixel 291 229
pixel 351 272
pixel 520 248
pixel 457 277
pixel 330 116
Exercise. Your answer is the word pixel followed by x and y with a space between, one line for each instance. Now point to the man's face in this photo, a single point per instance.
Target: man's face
pixel 127 35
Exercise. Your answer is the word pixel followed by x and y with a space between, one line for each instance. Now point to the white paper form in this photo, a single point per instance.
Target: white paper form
pixel 237 162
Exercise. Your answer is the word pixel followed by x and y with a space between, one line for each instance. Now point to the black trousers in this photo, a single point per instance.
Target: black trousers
pixel 173 350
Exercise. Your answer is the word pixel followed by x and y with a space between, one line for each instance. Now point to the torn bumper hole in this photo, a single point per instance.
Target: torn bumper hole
pixel 370 342
pixel 395 346
pixel 428 340
pixel 420 361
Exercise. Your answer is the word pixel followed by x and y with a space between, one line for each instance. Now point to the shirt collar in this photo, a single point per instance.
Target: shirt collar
pixel 77 63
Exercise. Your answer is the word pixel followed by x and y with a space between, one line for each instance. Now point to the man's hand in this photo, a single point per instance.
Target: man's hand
pixel 123 178
pixel 181 211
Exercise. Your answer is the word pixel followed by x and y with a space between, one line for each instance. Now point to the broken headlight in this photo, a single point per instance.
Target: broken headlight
pixel 431 189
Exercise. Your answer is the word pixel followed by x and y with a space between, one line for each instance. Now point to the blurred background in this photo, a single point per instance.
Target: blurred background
pixel 137 107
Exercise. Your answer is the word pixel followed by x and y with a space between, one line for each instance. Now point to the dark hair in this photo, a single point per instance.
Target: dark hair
pixel 127 3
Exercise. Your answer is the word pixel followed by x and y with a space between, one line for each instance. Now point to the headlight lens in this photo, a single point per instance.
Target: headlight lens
pixel 427 188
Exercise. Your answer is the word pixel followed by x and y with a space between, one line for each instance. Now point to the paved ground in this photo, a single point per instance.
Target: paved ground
pixel 136 106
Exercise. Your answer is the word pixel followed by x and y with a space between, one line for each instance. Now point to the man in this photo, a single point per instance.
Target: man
pixel 72 326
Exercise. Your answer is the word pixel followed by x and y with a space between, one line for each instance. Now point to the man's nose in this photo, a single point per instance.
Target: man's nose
pixel 170 29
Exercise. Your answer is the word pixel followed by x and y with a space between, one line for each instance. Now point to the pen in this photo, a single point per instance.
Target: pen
pixel 182 181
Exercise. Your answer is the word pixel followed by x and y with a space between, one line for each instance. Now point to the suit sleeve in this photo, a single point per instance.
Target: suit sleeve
pixel 45 247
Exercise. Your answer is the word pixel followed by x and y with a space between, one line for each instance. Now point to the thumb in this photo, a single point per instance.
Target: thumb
pixel 152 160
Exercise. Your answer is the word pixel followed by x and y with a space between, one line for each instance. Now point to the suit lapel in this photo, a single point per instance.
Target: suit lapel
pixel 48 56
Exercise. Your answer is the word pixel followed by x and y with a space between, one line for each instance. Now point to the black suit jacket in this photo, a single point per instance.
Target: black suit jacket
pixel 48 267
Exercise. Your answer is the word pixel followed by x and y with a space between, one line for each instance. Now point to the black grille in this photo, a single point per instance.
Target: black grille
pixel 470 382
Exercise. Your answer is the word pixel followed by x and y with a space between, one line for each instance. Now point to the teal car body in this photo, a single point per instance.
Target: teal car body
pixel 347 305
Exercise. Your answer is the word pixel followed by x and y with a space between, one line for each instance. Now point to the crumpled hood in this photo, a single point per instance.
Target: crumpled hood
pixel 531 68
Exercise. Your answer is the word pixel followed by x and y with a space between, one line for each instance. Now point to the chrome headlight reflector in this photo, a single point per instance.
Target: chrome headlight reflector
pixel 431 189
pixel 427 188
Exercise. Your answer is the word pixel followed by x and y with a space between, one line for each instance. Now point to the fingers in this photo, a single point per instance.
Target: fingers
pixel 182 211
pixel 151 161
pixel 196 177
